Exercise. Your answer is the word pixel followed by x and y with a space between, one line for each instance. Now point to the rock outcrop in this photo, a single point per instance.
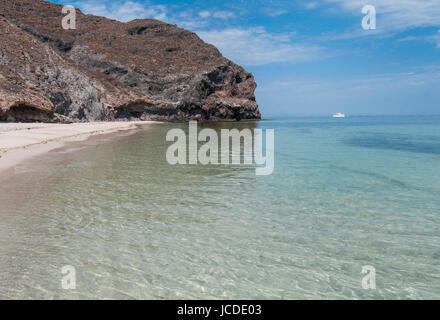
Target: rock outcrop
pixel 109 70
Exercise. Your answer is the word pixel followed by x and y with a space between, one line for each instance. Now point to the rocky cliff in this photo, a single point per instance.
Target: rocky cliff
pixel 108 70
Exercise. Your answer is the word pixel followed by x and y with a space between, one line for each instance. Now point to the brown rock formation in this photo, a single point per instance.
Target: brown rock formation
pixel 108 70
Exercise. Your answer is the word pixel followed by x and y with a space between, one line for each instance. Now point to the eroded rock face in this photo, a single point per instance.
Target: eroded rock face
pixel 108 70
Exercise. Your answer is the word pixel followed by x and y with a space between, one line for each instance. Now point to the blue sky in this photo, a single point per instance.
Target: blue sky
pixel 313 57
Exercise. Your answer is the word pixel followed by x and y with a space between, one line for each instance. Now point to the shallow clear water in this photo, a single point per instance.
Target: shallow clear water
pixel 345 193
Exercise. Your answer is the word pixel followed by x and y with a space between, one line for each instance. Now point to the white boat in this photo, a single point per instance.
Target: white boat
pixel 339 115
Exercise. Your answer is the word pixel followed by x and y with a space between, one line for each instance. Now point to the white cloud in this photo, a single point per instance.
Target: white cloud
pixel 397 15
pixel 256 46
pixel 123 11
pixel 129 10
pixel 216 14
pixel 273 12
pixel 223 15
pixel 393 17
pixel 431 39
pixel 311 5
pixel 205 14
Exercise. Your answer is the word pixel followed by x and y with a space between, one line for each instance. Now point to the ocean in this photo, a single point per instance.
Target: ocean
pixel 344 194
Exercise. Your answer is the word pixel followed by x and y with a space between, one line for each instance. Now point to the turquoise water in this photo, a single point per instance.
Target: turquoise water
pixel 345 193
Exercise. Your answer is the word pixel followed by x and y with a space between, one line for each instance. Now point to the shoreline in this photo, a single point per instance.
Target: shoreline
pixel 20 142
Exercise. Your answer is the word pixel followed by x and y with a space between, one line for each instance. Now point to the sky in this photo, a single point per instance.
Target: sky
pixel 313 58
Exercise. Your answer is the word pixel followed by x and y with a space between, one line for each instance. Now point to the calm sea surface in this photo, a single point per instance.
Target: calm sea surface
pixel 345 193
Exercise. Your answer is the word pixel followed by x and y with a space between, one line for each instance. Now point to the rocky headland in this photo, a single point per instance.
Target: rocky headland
pixel 106 70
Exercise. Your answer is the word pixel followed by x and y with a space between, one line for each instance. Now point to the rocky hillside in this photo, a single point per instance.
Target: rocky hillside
pixel 108 70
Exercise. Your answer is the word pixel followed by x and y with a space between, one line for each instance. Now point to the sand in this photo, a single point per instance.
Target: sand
pixel 22 141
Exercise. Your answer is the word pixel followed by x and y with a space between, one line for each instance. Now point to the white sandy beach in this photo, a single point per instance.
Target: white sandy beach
pixel 21 141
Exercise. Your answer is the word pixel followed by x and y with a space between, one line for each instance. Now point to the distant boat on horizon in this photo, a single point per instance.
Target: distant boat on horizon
pixel 339 115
